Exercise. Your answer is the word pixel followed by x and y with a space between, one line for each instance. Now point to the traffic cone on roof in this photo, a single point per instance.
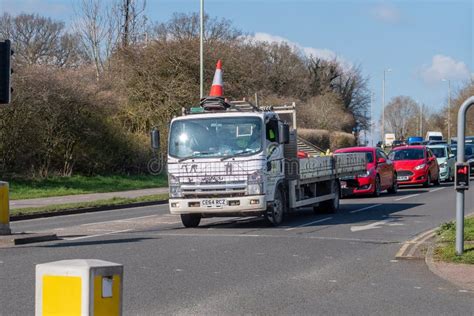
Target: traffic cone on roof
pixel 217 89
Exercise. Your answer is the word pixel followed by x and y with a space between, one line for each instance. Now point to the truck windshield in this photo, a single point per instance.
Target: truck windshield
pixel 215 137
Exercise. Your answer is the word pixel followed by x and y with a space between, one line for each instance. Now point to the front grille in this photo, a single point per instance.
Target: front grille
pixel 404 173
pixel 195 195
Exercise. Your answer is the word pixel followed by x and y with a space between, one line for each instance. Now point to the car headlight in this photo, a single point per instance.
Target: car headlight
pixel 255 183
pixel 365 174
pixel 419 167
pixel 443 165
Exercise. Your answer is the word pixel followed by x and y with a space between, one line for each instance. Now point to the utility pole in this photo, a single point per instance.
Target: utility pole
pixel 201 51
pixel 126 25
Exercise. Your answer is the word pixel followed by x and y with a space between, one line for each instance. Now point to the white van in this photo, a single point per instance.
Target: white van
pixel 433 136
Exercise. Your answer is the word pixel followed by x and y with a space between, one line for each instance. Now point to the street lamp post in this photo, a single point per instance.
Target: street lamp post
pixel 201 50
pixel 372 134
pixel 383 103
pixel 449 108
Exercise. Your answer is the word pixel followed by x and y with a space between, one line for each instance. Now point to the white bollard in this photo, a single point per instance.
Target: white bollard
pixel 79 287
pixel 4 209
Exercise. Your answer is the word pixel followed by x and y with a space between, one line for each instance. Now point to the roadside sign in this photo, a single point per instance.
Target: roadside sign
pixel 462 176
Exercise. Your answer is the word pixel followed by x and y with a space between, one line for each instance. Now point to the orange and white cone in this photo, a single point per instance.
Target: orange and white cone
pixel 217 89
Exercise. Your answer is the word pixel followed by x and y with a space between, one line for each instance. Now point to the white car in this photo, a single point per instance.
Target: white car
pixel 446 161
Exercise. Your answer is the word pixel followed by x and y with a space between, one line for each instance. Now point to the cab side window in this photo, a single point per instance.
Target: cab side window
pixel 272 130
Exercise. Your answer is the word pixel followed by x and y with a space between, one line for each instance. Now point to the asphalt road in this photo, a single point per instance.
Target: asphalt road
pixel 341 263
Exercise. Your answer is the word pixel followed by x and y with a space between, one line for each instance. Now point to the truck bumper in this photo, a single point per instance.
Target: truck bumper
pixel 253 204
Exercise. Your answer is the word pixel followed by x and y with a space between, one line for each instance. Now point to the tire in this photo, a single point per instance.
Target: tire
pixel 331 206
pixel 275 214
pixel 394 188
pixel 190 220
pixel 437 181
pixel 451 176
pixel 428 181
pixel 378 187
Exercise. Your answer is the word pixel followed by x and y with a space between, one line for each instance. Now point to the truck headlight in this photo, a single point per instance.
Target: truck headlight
pixel 175 191
pixel 443 165
pixel 255 183
pixel 419 167
pixel 175 187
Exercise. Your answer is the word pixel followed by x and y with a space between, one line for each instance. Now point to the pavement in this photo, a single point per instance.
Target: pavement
pixel 343 263
pixel 57 200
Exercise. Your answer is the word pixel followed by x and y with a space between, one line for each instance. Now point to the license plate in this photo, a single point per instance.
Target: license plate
pixel 214 203
pixel 403 178
pixel 343 184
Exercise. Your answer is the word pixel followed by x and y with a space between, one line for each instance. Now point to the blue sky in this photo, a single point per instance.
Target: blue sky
pixel 421 41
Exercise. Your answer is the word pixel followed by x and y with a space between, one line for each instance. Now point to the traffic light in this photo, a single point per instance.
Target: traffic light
pixel 462 176
pixel 5 71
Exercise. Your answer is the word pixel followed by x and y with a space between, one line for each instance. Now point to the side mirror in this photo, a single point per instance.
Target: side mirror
pixel 381 160
pixel 155 139
pixel 451 155
pixel 284 131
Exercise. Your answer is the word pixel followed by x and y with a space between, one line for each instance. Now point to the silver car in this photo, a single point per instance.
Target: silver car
pixel 446 161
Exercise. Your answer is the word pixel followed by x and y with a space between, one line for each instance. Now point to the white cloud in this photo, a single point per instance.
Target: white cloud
pixel 386 12
pixel 322 53
pixel 444 67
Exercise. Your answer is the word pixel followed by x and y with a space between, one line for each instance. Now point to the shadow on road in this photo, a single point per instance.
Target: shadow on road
pixel 306 217
pixel 66 243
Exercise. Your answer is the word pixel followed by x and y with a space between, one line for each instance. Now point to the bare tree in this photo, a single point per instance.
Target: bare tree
pixel 401 116
pixel 41 41
pixel 186 26
pixel 100 27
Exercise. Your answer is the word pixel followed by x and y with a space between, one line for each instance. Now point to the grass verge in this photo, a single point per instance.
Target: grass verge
pixel 60 186
pixel 446 236
pixel 84 205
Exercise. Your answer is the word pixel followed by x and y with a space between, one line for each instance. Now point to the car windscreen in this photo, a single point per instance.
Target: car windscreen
pixel 439 152
pixel 406 154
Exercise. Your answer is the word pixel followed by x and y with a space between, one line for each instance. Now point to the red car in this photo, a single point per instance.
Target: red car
pixel 415 165
pixel 380 175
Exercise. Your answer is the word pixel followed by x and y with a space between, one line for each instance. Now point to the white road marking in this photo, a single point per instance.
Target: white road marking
pixel 438 189
pixel 310 223
pixel 365 208
pixel 370 226
pixel 98 235
pixel 119 220
pixel 407 197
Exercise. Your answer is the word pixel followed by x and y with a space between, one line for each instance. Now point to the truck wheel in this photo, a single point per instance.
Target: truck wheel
pixel 191 220
pixel 275 213
pixel 394 188
pixel 331 206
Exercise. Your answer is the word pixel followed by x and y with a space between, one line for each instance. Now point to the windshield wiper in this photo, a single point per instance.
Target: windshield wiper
pixel 238 154
pixel 194 156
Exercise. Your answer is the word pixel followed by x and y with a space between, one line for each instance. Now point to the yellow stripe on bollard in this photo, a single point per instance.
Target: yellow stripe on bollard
pixel 62 295
pixel 4 209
